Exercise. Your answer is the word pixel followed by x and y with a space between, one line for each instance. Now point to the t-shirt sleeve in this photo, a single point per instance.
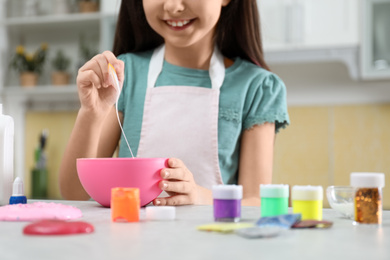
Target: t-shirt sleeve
pixel 267 103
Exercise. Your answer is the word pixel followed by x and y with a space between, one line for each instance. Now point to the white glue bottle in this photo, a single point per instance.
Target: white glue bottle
pixel 6 156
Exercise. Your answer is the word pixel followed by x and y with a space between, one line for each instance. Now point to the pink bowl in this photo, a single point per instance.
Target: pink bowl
pixel 99 175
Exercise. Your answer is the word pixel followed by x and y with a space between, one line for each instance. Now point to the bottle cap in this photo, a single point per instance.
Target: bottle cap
pixel 160 213
pixel 17 192
pixel 17 188
pixel 227 192
pixel 274 190
pixel 367 179
pixel 307 192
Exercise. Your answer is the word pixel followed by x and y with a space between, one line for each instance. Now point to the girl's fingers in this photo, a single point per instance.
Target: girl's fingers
pixel 175 174
pixel 110 57
pixel 175 186
pixel 178 171
pixel 102 63
pixel 119 65
pixel 176 163
pixel 90 76
pixel 120 71
pixel 172 201
pixel 94 66
pixel 177 180
pixel 99 64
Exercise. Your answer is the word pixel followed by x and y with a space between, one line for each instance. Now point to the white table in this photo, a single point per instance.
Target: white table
pixel 180 239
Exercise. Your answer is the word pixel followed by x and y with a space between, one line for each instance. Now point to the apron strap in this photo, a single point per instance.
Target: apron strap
pixel 216 70
pixel 155 65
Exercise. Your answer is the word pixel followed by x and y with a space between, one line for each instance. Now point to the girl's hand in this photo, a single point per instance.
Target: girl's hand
pixel 97 92
pixel 179 183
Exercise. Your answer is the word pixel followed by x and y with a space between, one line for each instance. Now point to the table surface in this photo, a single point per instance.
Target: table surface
pixel 179 239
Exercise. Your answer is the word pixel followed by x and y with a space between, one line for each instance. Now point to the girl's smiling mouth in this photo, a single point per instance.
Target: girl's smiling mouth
pixel 179 24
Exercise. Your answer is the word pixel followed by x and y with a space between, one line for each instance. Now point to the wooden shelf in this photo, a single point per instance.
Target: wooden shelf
pixel 51 19
pixel 49 98
pixel 76 21
pixel 46 90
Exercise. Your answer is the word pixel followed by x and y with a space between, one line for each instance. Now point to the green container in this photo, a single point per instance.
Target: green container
pixel 39 183
pixel 274 199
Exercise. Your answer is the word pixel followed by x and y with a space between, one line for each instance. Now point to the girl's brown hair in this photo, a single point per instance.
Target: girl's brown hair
pixel 237 34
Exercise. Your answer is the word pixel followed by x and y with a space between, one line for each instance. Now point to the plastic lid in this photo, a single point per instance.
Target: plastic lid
pixel 274 190
pixel 307 192
pixel 17 188
pixel 160 213
pixel 123 197
pixel 227 192
pixel 367 179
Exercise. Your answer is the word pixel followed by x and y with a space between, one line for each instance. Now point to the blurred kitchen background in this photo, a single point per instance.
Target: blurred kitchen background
pixel 333 55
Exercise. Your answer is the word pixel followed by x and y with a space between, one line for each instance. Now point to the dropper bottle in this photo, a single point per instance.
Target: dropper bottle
pixel 18 192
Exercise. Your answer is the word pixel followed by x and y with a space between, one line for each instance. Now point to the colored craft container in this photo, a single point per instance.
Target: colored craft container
pixel 274 199
pixel 125 204
pixel 367 197
pixel 227 202
pixel 307 200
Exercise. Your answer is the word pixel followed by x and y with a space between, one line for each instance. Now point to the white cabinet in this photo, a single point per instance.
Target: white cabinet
pixel 355 32
pixel 32 22
pixel 311 31
pixel 309 23
pixel 375 51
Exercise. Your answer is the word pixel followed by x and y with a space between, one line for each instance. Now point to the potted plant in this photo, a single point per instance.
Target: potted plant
pixel 88 6
pixel 60 63
pixel 29 65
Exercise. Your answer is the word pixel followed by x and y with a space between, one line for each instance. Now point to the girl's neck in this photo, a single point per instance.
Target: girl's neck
pixel 194 57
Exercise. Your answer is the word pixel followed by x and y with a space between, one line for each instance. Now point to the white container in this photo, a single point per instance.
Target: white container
pixel 160 213
pixel 6 157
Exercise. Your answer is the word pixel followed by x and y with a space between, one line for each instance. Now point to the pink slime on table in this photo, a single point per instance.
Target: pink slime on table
pixel 38 211
pixel 57 227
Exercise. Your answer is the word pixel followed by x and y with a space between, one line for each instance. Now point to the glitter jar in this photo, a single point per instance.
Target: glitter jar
pixel 307 200
pixel 227 202
pixel 125 204
pixel 368 197
pixel 274 199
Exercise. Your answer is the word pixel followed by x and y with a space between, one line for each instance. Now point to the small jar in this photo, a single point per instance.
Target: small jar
pixel 368 197
pixel 125 204
pixel 307 200
pixel 274 199
pixel 227 202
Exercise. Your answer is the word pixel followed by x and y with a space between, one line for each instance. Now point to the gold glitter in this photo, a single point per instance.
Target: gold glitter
pixel 368 209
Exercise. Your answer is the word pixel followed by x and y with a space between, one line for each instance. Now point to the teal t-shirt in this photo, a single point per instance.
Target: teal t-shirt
pixel 249 96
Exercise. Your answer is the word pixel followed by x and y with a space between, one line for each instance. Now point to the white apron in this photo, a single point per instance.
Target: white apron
pixel 182 121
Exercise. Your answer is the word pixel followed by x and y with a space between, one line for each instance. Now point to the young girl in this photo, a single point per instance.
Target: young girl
pixel 195 88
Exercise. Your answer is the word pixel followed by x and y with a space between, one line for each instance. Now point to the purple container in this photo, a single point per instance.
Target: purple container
pixel 227 203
